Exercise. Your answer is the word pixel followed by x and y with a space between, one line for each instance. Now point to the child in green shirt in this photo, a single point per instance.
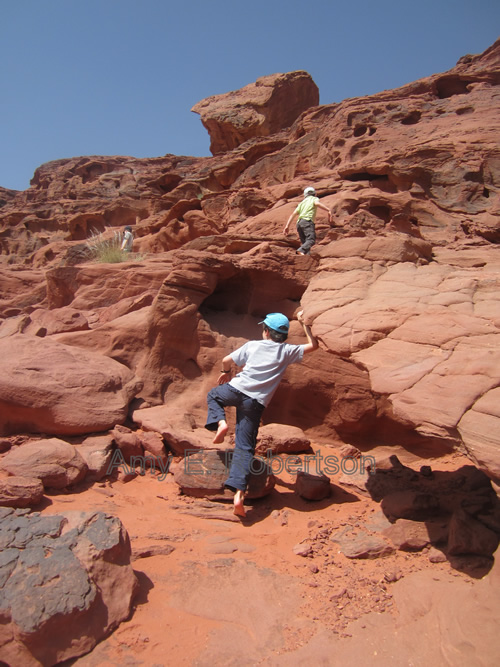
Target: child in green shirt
pixel 306 212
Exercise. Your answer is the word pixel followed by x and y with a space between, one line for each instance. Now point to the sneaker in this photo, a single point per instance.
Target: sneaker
pixel 299 252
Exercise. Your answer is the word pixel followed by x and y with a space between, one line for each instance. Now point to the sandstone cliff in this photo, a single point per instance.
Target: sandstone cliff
pixel 402 292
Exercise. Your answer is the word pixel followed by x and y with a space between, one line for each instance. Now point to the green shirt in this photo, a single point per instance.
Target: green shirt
pixel 307 208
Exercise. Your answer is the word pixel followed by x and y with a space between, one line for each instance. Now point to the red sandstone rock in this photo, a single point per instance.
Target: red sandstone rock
pixel 203 473
pixel 17 491
pixel 410 504
pixel 469 536
pixel 281 439
pixel 48 387
pixel 19 289
pixel 179 434
pixel 97 452
pixel 153 444
pixel 479 428
pixel 270 104
pixel 408 535
pixel 55 462
pixel 58 320
pixel 128 443
pixel 312 487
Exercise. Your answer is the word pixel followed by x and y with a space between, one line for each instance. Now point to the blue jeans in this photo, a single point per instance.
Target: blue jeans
pixel 307 234
pixel 248 414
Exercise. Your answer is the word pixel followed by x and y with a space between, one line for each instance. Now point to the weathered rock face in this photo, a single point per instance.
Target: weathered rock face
pixel 271 104
pixel 402 293
pixel 420 328
pixel 66 583
pixel 47 387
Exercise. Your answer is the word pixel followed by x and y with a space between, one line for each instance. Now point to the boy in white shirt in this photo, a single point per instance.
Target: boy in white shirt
pixel 250 391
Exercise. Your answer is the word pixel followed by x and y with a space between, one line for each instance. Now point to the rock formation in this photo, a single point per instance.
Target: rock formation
pixel 66 583
pixel 271 104
pixel 402 292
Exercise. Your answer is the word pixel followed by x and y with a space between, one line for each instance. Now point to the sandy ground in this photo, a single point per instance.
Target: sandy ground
pixel 218 591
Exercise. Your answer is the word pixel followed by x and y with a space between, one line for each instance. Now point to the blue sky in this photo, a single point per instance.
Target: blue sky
pixel 119 77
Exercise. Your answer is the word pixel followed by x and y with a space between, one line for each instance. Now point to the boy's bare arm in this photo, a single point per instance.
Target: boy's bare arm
pixel 312 343
pixel 325 208
pixel 225 372
pixel 285 229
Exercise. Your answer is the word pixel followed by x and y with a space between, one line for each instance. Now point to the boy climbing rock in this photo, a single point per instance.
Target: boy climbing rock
pixel 306 212
pixel 264 362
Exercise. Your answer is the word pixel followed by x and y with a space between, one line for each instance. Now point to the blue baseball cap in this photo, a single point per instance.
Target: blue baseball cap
pixel 277 322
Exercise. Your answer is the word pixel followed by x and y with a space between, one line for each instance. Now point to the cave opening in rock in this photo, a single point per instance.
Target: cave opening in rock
pixel 448 86
pixel 366 176
pixel 412 118
pixel 381 212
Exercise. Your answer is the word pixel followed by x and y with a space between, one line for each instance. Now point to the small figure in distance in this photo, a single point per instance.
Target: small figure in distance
pixel 306 212
pixel 263 363
pixel 128 239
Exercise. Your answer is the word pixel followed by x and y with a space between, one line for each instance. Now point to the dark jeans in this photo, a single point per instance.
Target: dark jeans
pixel 307 234
pixel 248 414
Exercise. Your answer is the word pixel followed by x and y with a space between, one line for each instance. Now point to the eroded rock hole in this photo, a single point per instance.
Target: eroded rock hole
pixel 381 212
pixel 464 110
pixel 366 176
pixel 233 294
pixel 451 85
pixel 166 183
pixel 412 118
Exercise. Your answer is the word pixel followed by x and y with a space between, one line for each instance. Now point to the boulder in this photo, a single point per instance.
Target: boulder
pixel 312 487
pixel 262 108
pixel 467 535
pixel 56 463
pixel 96 451
pixel 480 431
pixel 203 473
pixel 410 505
pixel 282 439
pixel 127 442
pixel 407 535
pixel 48 387
pixel 180 437
pixel 16 491
pixel 66 583
pixel 360 544
pixel 153 445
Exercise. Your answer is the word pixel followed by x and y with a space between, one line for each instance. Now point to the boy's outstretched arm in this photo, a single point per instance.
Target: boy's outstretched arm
pixel 325 208
pixel 312 343
pixel 285 229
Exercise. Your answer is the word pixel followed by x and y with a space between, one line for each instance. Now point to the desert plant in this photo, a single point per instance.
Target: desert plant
pixel 106 249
